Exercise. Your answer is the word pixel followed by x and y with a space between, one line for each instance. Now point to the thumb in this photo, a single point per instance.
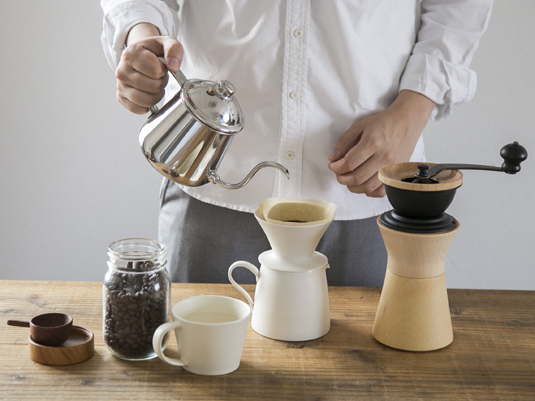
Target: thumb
pixel 167 47
pixel 346 142
pixel 173 52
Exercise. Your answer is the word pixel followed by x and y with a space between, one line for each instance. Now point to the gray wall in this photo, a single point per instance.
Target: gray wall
pixel 73 178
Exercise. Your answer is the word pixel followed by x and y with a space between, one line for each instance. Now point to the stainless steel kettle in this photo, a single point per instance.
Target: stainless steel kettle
pixel 187 138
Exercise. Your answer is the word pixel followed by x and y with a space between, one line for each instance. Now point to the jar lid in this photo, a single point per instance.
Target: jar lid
pixel 137 255
pixel 214 105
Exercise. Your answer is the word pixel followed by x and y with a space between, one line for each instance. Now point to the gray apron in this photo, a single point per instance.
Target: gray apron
pixel 203 240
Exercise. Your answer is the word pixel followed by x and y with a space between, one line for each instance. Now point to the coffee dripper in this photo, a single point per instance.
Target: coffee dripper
pixel 188 137
pixel 413 312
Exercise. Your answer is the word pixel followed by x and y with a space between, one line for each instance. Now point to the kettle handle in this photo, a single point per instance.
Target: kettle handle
pixel 179 77
pixel 252 268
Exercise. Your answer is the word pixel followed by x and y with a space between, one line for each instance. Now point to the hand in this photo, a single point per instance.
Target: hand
pixel 375 141
pixel 141 77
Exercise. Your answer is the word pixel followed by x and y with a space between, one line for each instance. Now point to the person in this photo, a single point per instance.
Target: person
pixel 332 90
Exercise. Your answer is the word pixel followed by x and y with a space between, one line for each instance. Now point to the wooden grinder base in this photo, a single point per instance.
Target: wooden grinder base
pixel 413 312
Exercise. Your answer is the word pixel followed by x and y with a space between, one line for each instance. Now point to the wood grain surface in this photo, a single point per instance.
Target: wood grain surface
pixel 413 314
pixel 416 255
pixel 492 356
pixel 394 174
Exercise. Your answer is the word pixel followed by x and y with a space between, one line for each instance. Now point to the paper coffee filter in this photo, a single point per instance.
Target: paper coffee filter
pixel 297 211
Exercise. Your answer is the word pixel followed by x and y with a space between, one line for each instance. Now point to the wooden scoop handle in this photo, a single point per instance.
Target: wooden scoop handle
pixel 19 323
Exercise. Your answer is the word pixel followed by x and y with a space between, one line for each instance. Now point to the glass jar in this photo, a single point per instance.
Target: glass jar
pixel 136 296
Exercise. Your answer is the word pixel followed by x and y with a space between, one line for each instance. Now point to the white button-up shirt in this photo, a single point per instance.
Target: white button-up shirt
pixel 305 71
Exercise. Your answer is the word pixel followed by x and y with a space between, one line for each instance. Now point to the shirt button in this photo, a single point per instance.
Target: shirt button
pixel 290 155
pixel 298 33
pixel 294 94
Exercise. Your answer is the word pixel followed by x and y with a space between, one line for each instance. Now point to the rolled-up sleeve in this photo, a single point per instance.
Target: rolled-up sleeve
pixel 449 35
pixel 121 15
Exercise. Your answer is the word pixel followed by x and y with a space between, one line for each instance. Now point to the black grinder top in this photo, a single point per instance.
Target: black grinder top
pixel 421 193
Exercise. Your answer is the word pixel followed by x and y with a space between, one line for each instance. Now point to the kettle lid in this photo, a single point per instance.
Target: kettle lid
pixel 214 105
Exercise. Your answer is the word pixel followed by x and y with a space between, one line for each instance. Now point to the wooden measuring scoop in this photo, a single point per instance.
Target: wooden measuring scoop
pixel 51 329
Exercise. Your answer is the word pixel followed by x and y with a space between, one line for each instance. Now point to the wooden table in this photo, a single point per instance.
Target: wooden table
pixel 491 358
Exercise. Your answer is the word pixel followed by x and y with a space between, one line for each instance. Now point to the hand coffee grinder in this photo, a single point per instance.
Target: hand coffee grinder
pixel 413 312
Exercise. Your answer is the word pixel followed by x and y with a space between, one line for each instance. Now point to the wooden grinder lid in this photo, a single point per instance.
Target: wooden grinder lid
pixel 394 174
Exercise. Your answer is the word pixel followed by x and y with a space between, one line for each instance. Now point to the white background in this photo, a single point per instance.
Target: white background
pixel 73 179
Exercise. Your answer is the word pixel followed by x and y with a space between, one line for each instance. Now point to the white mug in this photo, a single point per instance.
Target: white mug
pixel 210 332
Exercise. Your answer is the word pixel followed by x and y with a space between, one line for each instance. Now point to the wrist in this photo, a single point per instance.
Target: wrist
pixel 412 110
pixel 414 104
pixel 141 31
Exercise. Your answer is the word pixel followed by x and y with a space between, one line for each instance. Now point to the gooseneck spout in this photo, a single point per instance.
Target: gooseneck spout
pixel 215 179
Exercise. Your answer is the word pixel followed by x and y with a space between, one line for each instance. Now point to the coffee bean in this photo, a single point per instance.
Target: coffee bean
pixel 135 306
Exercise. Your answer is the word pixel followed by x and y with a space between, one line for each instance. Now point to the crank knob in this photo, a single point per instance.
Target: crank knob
pixel 513 154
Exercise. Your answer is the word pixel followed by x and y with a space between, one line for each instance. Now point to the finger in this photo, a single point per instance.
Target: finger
pixel 363 172
pixel 142 60
pixel 378 193
pixel 356 157
pixel 139 97
pixel 169 48
pixel 348 140
pixel 130 77
pixel 134 108
pixel 370 187
pixel 174 53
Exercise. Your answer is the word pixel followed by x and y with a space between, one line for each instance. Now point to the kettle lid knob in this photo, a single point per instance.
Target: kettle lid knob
pixel 224 89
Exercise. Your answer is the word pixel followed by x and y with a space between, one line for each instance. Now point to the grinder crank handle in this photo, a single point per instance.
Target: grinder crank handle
pixel 513 154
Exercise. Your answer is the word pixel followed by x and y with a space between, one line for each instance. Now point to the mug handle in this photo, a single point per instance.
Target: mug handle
pixel 157 343
pixel 249 266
